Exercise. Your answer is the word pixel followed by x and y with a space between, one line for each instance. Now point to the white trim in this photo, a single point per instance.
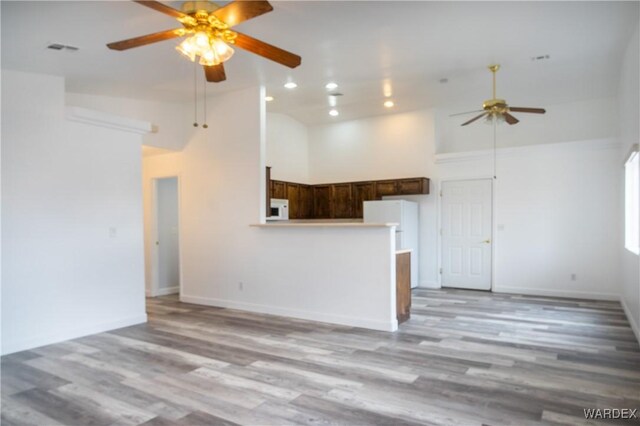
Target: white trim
pixel 294 313
pixel 84 330
pixel 631 319
pixel 557 293
pixel 587 145
pixel 110 121
pixel 166 291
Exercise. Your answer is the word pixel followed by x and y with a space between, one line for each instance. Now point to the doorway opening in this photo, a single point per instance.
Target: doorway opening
pixel 165 256
pixel 466 241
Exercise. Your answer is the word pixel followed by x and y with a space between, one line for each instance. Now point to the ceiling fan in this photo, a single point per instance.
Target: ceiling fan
pixel 498 109
pixel 208 26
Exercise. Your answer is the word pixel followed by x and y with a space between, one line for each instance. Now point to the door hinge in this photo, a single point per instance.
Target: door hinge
pixel 440 231
pixel 441 192
pixel 440 271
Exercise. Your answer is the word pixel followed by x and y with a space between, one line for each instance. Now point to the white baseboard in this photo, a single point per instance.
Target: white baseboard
pixel 294 313
pixel 164 291
pixel 631 319
pixel 85 330
pixel 557 293
pixel 429 284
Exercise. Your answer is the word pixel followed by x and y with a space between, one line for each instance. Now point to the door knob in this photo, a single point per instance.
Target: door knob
pixel 487 241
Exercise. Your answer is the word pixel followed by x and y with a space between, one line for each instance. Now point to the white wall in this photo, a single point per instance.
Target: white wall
pixel 628 96
pixel 404 145
pixel 72 220
pixel 573 121
pixel 313 273
pixel 287 148
pixel 391 146
pixel 171 120
pixel 556 209
pixel 157 166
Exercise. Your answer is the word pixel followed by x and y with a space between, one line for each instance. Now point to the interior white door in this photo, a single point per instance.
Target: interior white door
pixel 466 234
pixel 168 267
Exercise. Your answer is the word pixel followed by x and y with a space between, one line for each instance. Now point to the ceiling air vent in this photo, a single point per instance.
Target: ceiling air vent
pixel 58 46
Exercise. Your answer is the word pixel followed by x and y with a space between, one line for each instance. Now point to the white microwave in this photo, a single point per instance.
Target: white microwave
pixel 279 209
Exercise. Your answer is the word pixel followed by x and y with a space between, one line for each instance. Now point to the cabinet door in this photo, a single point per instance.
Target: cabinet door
pixel 341 201
pixel 293 195
pixel 306 202
pixel 413 186
pixel 386 187
pixel 403 287
pixel 322 201
pixel 278 189
pixel 362 191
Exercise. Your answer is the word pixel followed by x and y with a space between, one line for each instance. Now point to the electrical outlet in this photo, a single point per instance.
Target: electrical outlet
pixel 573 277
pixel 113 232
pixel 241 286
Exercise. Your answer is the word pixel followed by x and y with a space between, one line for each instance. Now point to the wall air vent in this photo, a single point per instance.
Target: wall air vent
pixel 58 46
pixel 540 58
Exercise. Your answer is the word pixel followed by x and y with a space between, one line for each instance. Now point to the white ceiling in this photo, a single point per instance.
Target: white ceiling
pixel 406 47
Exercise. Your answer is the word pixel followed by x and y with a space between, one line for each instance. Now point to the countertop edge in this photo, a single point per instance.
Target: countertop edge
pixel 322 225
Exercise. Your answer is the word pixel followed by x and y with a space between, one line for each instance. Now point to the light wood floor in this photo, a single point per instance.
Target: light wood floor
pixel 464 358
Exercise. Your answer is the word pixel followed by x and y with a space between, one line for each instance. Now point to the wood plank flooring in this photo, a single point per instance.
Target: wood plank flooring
pixel 464 358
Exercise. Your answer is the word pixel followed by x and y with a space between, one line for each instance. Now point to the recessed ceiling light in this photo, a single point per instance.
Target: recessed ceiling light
pixel 334 113
pixel 388 104
pixel 290 85
pixel 268 98
pixel 331 86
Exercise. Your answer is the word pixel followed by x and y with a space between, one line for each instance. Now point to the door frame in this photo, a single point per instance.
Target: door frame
pixel 493 225
pixel 153 226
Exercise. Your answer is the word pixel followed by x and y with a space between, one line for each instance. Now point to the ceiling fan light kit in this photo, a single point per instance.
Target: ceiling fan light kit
pixel 208 27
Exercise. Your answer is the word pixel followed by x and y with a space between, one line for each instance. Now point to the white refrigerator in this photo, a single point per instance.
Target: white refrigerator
pixel 405 214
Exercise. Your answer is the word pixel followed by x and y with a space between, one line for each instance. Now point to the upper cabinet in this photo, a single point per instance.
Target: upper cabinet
pixel 341 200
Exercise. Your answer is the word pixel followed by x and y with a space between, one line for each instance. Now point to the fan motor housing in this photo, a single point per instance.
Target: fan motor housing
pixel 498 104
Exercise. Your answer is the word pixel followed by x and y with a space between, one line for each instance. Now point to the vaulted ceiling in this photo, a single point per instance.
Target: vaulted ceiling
pixel 371 49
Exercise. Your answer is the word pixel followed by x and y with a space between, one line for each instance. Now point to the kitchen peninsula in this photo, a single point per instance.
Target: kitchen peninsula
pixel 349 271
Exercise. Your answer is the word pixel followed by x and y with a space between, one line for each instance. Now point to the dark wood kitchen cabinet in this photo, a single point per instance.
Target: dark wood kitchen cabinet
pixel 278 189
pixel 306 202
pixel 341 201
pixel 361 192
pixel 322 201
pixel 413 186
pixel 293 195
pixel 386 187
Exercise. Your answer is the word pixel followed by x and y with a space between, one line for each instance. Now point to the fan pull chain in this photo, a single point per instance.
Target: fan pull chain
pixel 495 156
pixel 204 94
pixel 195 96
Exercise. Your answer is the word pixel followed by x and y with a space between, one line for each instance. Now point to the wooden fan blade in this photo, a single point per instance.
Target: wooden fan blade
pixel 240 11
pixel 463 113
pixel 268 51
pixel 532 110
pixel 474 119
pixel 146 39
pixel 510 118
pixel 215 73
pixel 157 6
